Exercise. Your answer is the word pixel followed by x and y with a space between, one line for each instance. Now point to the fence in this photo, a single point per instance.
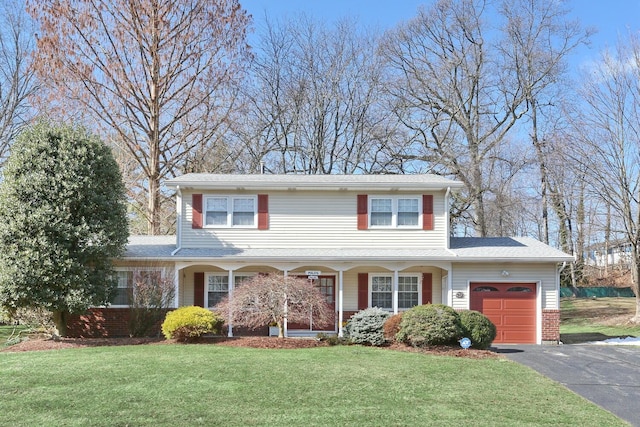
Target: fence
pixel 600 292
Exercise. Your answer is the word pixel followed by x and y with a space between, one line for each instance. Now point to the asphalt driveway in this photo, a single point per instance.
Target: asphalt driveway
pixel 608 375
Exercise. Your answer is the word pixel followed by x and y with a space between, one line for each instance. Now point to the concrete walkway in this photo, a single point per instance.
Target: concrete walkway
pixel 608 375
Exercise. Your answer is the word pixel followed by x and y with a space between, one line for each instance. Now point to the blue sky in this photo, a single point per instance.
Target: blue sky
pixel 612 18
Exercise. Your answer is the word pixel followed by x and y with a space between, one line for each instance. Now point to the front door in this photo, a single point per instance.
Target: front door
pixel 327 286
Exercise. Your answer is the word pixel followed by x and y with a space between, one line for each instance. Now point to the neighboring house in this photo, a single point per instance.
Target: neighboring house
pixel 609 254
pixel 364 240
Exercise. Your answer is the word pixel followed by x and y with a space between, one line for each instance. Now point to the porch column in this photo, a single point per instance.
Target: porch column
pixel 395 292
pixel 231 286
pixel 176 286
pixel 285 327
pixel 340 303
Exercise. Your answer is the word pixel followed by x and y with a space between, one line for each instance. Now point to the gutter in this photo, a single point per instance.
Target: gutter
pixel 446 217
pixel 178 221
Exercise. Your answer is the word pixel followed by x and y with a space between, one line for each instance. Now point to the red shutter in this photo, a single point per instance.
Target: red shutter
pixel 363 219
pixel 263 211
pixel 196 211
pixel 198 289
pixel 427 288
pixel 427 212
pixel 363 291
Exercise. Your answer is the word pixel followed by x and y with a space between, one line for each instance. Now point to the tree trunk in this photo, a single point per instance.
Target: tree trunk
pixel 60 320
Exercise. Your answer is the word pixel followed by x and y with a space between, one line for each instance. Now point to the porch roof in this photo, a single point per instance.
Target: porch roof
pixel 502 249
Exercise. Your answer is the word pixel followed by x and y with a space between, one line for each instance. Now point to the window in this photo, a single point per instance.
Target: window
pixel 408 212
pixel 124 292
pixel 381 212
pixel 391 212
pixel 227 211
pixel 131 280
pixel 407 291
pixel 217 288
pixel 382 291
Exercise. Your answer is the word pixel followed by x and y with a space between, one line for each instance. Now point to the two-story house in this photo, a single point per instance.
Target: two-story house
pixel 364 240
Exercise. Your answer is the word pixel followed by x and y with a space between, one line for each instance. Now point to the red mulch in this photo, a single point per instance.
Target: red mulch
pixel 36 344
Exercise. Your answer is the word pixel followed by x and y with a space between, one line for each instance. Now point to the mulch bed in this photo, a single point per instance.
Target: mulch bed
pixel 38 344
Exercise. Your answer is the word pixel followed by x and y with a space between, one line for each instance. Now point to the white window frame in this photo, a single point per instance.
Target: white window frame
pixel 133 270
pixel 224 274
pixel 230 202
pixel 394 211
pixel 394 294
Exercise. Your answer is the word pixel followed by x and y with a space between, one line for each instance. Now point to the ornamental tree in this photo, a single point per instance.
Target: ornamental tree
pixel 62 220
pixel 275 298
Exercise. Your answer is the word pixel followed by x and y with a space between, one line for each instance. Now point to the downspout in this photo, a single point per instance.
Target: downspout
pixel 447 215
pixel 178 221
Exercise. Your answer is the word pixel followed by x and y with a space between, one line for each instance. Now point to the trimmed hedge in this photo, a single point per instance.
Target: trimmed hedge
pixel 430 324
pixel 478 328
pixel 191 322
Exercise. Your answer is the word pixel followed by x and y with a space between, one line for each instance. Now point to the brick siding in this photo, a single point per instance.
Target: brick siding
pixel 550 325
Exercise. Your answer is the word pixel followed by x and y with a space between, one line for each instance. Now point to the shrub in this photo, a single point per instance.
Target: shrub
pixel 392 326
pixel 478 328
pixel 366 326
pixel 332 339
pixel 187 323
pixel 430 324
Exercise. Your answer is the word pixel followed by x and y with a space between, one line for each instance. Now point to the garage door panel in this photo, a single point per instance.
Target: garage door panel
pixel 519 304
pixel 516 321
pixel 492 304
pixel 510 306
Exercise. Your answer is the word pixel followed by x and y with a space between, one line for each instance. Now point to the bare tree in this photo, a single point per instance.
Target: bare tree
pixel 157 73
pixel 17 79
pixel 538 37
pixel 315 103
pixel 275 298
pixel 608 126
pixel 454 93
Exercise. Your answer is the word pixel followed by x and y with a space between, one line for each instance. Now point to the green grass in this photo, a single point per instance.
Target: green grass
pixel 170 385
pixel 587 319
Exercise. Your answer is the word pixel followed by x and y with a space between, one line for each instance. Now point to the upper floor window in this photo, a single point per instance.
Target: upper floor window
pixel 230 211
pixel 390 212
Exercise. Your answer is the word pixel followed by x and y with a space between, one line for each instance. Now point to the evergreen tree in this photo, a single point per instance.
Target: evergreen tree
pixel 62 221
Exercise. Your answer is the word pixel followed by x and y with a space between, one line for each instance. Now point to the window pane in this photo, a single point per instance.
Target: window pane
pixel 243 211
pixel 408 218
pixel 407 300
pixel 407 205
pixel 218 288
pixel 216 212
pixel 381 292
pixel 217 204
pixel 381 300
pixel 216 218
pixel 408 212
pixel 381 212
pixel 238 279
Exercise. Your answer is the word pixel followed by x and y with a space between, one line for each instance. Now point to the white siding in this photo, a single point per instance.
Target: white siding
pixel 314 219
pixel 545 274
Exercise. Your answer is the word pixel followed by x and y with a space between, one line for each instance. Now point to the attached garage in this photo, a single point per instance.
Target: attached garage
pixel 510 306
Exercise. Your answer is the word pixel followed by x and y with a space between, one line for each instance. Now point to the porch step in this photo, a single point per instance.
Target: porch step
pixel 305 333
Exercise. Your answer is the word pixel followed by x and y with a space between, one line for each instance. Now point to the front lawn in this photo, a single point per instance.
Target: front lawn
pixel 170 385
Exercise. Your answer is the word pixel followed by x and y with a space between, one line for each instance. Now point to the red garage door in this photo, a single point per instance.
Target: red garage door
pixel 510 306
